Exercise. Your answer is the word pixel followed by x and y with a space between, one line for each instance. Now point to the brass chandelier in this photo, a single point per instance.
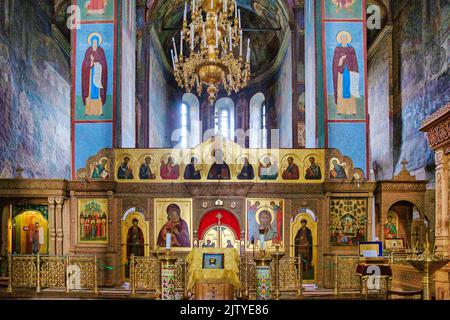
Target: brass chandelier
pixel 214 53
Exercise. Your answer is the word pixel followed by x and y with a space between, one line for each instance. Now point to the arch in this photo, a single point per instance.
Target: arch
pixel 228 219
pixel 194 119
pixel 225 103
pixel 132 210
pixel 406 217
pixel 256 103
pixel 24 231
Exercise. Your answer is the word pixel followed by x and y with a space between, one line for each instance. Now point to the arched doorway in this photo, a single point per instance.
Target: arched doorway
pixel 303 230
pixel 135 230
pixel 403 220
pixel 229 234
pixel 29 233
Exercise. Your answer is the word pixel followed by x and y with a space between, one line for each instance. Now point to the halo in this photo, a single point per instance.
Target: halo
pixel 272 214
pixel 100 38
pixel 104 158
pixel 341 33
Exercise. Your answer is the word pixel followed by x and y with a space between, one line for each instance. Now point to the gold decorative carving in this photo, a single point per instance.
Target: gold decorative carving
pixel 52 272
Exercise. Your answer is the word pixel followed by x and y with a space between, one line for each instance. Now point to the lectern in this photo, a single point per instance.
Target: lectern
pixel 213 273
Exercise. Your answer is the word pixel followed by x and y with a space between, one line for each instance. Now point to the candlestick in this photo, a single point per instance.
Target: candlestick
pixel 240 43
pixel 204 34
pixel 239 12
pixel 248 51
pixel 230 35
pixel 217 33
pixel 175 49
pixel 192 36
pixel 173 60
pixel 193 5
pixel 212 4
pixel 235 9
pixel 181 44
pixel 262 241
pixel 185 12
pixel 168 239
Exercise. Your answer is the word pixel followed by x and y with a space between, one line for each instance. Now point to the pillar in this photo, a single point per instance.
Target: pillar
pixel 442 201
pixel 51 226
pixel 103 117
pixel 345 110
pixel 263 277
pixel 59 225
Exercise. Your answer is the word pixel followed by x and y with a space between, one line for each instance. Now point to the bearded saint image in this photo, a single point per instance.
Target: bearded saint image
pixel 94 76
pixel 345 75
pixel 96 7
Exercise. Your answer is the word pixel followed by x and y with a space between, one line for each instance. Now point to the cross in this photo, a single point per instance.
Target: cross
pixel 404 162
pixel 219 216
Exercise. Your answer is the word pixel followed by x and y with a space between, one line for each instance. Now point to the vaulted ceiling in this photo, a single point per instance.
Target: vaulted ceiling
pixel 265 22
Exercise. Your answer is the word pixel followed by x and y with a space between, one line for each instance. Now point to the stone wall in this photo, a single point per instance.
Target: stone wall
pixel 34 94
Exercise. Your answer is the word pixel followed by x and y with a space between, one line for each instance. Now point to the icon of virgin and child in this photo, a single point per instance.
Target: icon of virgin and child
pixel 175 225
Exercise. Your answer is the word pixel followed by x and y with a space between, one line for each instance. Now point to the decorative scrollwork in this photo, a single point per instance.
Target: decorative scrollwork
pixel 88 270
pixel 52 272
pixel 146 273
pixel 24 271
pixel 347 278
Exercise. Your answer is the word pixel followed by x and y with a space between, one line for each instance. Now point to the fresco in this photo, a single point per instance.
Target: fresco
pixel 345 70
pixel 96 10
pixel 342 137
pixel 421 78
pixel 90 137
pixel 95 72
pixel 379 104
pixel 34 97
pixel 343 9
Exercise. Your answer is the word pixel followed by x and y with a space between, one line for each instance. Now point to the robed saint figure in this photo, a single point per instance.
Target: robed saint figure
pixel 304 246
pixel 135 242
pixel 94 76
pixel 345 75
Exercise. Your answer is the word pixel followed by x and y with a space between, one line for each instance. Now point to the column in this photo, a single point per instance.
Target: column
pixel 51 226
pixel 298 75
pixel 442 201
pixel 344 57
pixel 59 225
pixel 263 276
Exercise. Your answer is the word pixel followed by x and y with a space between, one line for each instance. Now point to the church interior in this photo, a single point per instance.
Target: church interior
pixel 225 149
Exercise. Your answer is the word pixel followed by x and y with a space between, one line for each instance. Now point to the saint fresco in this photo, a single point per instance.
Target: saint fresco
pixel 266 215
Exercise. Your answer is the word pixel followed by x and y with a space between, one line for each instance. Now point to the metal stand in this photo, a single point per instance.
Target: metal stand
pixel 277 255
pixel 167 275
pixel 263 276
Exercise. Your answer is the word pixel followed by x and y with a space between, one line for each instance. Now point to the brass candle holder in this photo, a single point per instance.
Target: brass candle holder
pixel 277 255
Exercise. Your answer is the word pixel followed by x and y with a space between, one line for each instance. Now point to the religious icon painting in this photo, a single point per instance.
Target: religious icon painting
pixel 100 169
pixel 192 167
pixel 338 169
pixel 124 171
pixel 30 232
pixel 266 215
pixel 304 240
pixel 173 216
pixel 244 167
pixel 93 220
pixel 94 72
pixel 147 167
pixel 391 225
pixel 268 167
pixel 313 170
pixel 169 167
pixel 345 70
pixel 97 10
pixel 348 221
pixel 290 167
pixel 344 9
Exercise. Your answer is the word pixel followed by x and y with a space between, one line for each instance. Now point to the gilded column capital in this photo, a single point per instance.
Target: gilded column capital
pixel 59 201
pixel 51 200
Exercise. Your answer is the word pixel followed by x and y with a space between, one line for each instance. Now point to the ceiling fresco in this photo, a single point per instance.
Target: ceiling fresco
pixel 265 22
